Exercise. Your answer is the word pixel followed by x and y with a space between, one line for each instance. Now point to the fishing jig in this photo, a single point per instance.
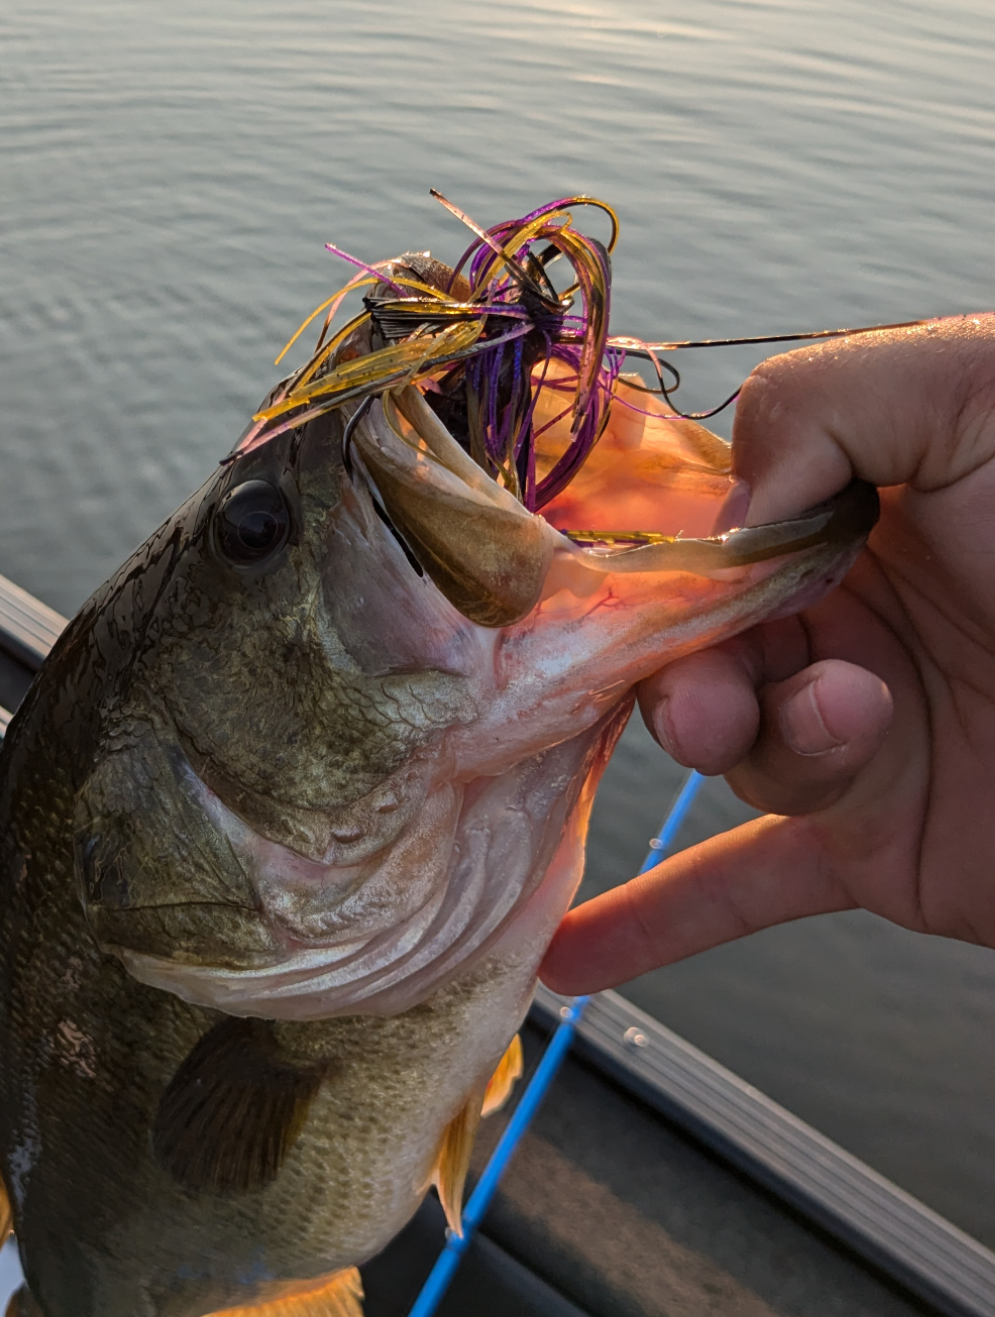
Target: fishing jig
pixel 485 340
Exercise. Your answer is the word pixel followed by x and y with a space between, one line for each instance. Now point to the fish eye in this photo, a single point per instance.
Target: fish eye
pixel 252 522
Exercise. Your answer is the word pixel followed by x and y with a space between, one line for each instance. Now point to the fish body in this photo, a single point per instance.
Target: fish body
pixel 289 817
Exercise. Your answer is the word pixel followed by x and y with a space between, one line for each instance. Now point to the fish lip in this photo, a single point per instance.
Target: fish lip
pixel 501 585
pixel 846 517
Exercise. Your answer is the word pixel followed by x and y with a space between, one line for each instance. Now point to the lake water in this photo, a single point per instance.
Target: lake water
pixel 169 175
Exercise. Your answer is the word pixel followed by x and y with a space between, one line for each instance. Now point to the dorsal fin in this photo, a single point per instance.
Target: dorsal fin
pixel 502 1081
pixel 233 1110
pixel 339 1296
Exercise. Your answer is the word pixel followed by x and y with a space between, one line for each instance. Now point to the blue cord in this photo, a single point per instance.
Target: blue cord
pixel 675 817
pixel 456 1245
pixel 442 1272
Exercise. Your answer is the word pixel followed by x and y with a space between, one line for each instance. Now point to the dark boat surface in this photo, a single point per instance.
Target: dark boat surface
pixel 653 1182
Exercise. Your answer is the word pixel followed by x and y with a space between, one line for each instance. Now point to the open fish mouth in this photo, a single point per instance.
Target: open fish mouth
pixel 495 561
pixel 518 533
pixel 477 395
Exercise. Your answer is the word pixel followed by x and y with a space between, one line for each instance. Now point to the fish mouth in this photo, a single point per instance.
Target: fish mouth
pixel 488 411
pixel 580 610
pixel 496 562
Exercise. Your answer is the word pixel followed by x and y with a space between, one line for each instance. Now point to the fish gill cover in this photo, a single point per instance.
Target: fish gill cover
pixel 490 343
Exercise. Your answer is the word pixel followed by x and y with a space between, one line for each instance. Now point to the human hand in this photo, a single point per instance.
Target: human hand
pixel 865 726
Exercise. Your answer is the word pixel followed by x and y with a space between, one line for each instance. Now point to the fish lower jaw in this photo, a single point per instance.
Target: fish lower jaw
pixel 579 657
pixel 817 585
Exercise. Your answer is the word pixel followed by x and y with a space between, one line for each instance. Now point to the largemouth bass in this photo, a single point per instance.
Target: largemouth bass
pixel 294 807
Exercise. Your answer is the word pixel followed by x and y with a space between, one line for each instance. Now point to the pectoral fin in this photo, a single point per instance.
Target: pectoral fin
pixel 453 1161
pixel 502 1081
pixel 232 1111
pixel 341 1296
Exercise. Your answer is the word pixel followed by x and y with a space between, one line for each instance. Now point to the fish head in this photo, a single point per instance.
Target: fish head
pixel 365 695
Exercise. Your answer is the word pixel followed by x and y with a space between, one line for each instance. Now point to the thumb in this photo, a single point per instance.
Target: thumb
pixel 892 407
